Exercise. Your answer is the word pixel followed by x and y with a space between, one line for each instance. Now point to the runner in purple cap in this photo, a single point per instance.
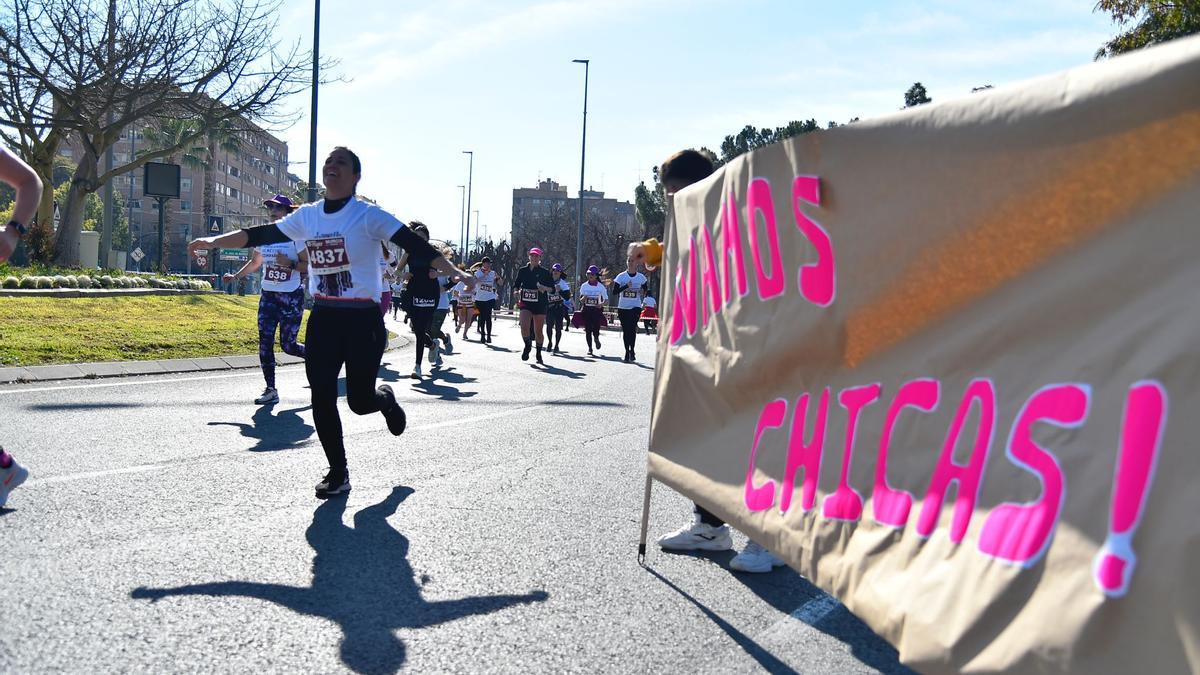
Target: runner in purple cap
pixel 556 311
pixel 281 303
pixel 590 317
pixel 532 284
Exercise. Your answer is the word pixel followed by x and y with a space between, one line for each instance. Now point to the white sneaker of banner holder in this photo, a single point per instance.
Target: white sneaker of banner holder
pixel 755 558
pixel 698 537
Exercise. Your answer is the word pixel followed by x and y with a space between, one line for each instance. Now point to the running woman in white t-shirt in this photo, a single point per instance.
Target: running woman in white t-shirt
pixel 487 281
pixel 342 235
pixel 466 307
pixel 281 302
pixel 590 317
pixel 629 286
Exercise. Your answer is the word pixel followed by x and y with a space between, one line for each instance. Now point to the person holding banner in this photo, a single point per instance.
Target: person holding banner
pixel 281 301
pixel 486 282
pixel 629 286
pixel 590 317
pixel 342 235
pixel 532 284
pixel 707 532
pixel 25 181
pixel 556 312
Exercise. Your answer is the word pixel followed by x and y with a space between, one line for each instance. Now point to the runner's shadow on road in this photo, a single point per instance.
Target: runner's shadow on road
pixel 50 407
pixel 273 432
pixel 362 581
pixel 443 392
pixel 564 355
pixel 558 371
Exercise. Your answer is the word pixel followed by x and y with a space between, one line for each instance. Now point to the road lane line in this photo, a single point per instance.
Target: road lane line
pixel 142 468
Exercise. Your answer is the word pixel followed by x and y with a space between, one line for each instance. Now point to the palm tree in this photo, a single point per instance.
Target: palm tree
pixel 168 133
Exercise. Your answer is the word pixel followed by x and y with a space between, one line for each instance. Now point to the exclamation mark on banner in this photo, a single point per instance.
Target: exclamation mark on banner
pixel 1141 436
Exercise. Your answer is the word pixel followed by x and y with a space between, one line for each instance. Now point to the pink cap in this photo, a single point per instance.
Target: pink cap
pixel 535 251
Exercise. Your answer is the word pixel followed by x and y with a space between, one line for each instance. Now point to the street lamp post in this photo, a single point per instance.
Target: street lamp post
pixel 312 127
pixel 582 156
pixel 462 213
pixel 476 231
pixel 470 177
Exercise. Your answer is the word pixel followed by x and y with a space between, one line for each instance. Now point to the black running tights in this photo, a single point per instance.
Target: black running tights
pixel 485 308
pixel 355 337
pixel 422 324
pixel 629 325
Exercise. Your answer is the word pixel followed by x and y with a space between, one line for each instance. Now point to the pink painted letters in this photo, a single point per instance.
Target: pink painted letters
pixel 892 507
pixel 968 477
pixel 762 497
pixel 758 201
pixel 818 281
pixel 846 503
pixel 805 455
pixel 1020 533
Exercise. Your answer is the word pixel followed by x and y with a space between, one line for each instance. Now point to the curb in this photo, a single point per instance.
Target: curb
pixel 93 371
pixel 95 292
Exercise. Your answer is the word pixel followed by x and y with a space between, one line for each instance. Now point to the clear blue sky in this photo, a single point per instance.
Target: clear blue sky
pixel 432 78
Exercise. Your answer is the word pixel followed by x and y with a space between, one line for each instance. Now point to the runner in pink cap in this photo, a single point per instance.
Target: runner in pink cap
pixel 532 284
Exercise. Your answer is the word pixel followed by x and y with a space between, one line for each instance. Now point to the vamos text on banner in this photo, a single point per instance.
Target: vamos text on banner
pixel 946 363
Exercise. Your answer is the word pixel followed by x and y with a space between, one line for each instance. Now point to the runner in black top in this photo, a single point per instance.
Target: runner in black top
pixel 556 312
pixel 342 236
pixel 423 292
pixel 531 285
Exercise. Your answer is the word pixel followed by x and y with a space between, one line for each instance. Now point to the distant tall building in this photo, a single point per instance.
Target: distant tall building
pixel 550 201
pixel 240 180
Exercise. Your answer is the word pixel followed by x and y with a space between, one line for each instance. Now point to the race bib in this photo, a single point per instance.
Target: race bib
pixel 529 295
pixel 466 300
pixel 486 288
pixel 631 293
pixel 276 274
pixel 328 255
pixel 591 300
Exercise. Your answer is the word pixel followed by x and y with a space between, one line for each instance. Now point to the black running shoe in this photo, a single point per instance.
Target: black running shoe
pixel 334 483
pixel 525 352
pixel 394 413
pixel 539 358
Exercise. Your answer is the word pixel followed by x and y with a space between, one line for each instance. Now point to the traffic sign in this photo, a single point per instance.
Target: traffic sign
pixel 216 224
pixel 137 254
pixel 234 254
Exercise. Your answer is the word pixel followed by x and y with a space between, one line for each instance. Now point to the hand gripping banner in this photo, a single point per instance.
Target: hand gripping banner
pixel 946 363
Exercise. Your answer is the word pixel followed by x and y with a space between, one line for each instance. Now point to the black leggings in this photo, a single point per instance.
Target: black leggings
pixel 353 336
pixel 485 308
pixel 556 315
pixel 422 322
pixel 629 325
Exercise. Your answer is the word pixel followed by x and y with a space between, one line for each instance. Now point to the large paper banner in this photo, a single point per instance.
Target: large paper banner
pixel 947 364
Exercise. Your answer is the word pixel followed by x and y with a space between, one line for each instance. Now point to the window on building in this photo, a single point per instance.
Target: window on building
pixel 185 184
pixel 135 204
pixel 185 205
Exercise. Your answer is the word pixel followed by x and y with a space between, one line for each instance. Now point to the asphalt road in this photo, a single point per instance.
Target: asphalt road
pixel 169 525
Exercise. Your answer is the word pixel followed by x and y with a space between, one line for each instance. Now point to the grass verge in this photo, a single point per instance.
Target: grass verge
pixel 41 331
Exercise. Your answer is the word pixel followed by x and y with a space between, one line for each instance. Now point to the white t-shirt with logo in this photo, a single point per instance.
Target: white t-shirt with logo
pixel 631 297
pixel 592 296
pixel 343 248
pixel 280 279
pixel 485 286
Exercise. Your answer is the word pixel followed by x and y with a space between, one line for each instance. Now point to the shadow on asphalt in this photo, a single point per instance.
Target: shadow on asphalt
pixel 558 371
pixel 587 404
pixel 273 432
pixel 786 591
pixel 430 386
pixel 362 581
pixel 765 658
pixel 44 407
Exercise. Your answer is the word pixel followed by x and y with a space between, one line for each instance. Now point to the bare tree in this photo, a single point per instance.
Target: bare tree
pixel 91 68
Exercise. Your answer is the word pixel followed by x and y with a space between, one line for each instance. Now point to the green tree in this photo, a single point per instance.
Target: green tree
pixel 1148 22
pixel 916 95
pixel 651 206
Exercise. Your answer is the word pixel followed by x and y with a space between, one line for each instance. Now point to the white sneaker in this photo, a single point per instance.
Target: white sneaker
pixel 416 373
pixel 755 558
pixel 698 537
pixel 10 478
pixel 269 395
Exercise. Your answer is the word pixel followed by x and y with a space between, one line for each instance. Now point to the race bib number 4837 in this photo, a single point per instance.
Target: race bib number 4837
pixel 328 255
